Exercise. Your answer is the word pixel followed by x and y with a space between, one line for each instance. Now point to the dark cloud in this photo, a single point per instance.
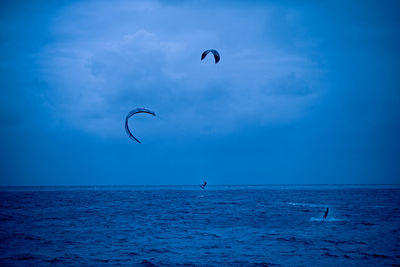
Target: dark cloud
pixel 305 91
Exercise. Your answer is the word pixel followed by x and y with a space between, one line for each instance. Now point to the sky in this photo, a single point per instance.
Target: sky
pixel 306 92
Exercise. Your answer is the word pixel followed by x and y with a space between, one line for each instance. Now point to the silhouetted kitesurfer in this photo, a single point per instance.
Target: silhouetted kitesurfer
pixel 326 213
pixel 203 185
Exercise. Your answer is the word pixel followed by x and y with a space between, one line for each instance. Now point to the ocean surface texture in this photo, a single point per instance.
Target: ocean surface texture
pixel 187 226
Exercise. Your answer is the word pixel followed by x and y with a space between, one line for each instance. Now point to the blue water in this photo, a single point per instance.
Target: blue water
pixel 187 226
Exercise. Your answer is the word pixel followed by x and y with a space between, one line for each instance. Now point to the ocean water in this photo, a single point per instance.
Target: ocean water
pixel 187 226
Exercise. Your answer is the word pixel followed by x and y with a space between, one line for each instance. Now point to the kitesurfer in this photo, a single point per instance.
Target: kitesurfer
pixel 326 213
pixel 203 185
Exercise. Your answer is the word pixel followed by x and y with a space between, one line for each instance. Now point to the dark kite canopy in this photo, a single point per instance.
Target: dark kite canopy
pixel 214 52
pixel 130 114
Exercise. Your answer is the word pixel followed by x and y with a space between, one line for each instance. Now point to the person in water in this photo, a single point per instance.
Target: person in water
pixel 326 213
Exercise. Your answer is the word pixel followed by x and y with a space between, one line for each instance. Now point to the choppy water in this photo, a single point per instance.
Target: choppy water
pixel 231 226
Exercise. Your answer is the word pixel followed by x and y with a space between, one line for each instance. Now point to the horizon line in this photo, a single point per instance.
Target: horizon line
pixel 162 185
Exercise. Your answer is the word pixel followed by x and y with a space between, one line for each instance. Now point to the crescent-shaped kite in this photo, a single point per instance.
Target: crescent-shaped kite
pixel 130 114
pixel 214 52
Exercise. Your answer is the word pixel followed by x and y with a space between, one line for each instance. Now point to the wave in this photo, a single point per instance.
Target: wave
pixel 348 242
pixel 329 219
pixel 310 205
pixel 368 223
pixel 6 217
pixel 148 263
pixel 31 237
pixel 102 260
pixel 56 260
pixel 185 264
pixel 25 256
pixel 210 234
pixel 246 263
pixel 159 251
pixel 379 256
pixel 330 255
pixel 295 240
pixel 228 203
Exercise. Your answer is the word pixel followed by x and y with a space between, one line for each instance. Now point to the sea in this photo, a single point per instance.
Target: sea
pixel 271 225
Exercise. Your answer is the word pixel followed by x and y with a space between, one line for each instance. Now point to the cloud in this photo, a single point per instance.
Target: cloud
pixel 311 88
pixel 101 75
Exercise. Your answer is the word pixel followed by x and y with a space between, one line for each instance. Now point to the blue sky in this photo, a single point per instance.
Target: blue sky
pixel 305 92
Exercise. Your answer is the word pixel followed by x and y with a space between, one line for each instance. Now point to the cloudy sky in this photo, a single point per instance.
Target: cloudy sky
pixel 305 92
